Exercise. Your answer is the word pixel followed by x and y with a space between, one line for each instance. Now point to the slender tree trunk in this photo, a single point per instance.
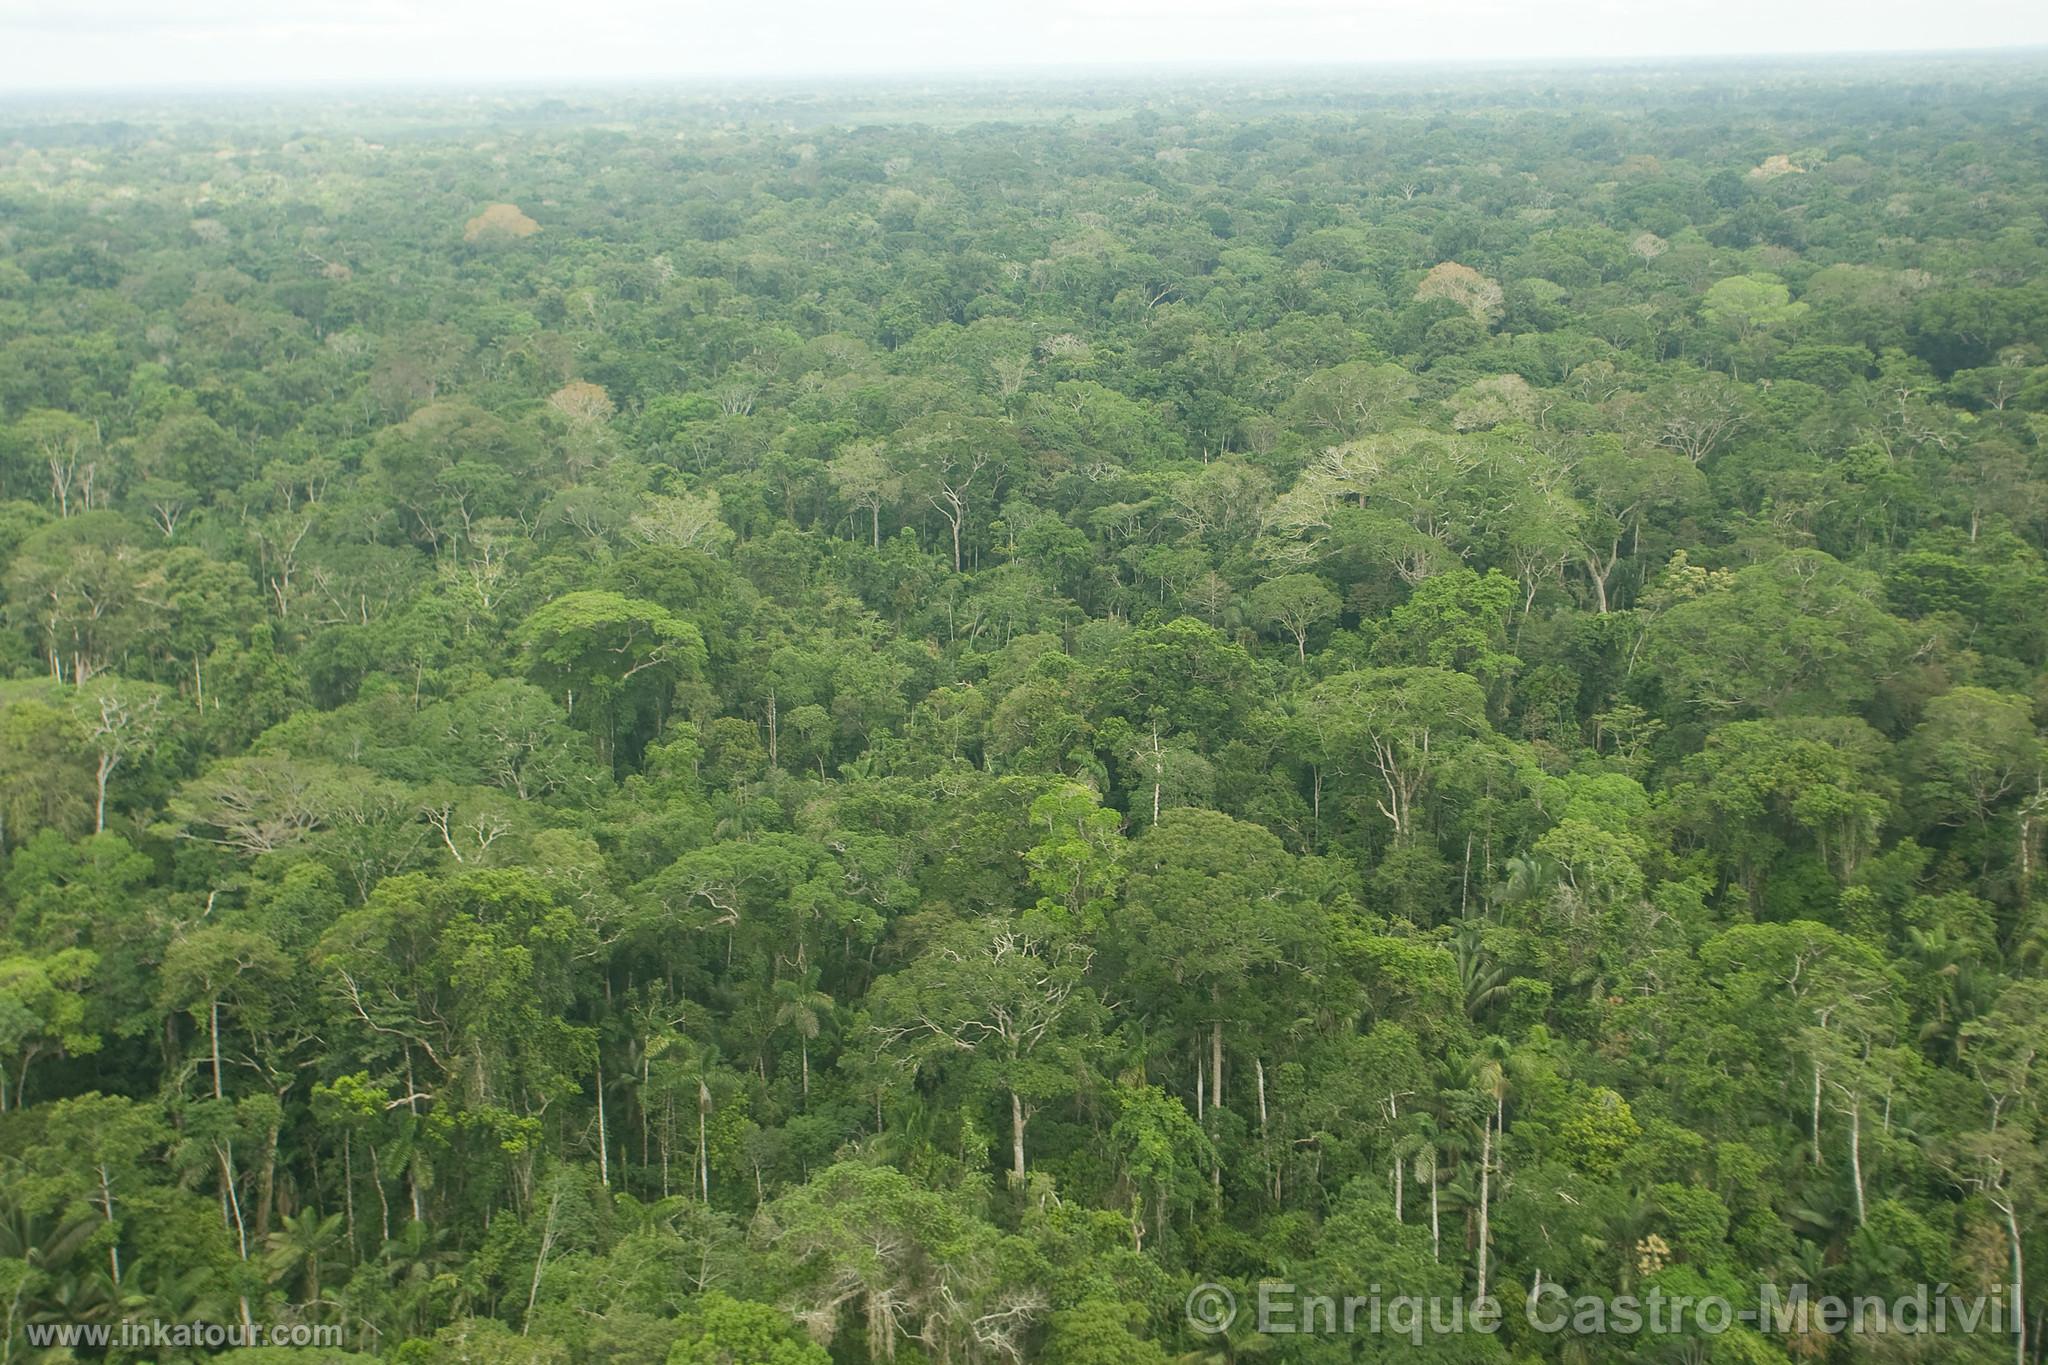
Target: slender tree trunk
pixel 1018 1118
pixel 540 1264
pixel 2026 849
pixel 412 1163
pixel 668 1125
pixel 2020 1278
pixel 1394 1117
pixel 99 805
pixel 1158 774
pixel 1265 1136
pixel 2010 1208
pixel 703 1146
pixel 1216 1051
pixel 604 1169
pixel 107 1214
pixel 1435 1228
pixel 233 1200
pixel 1856 1154
pixel 1485 1189
pixel 266 1183
pixel 1816 1115
pixel 348 1191
pixel 383 1203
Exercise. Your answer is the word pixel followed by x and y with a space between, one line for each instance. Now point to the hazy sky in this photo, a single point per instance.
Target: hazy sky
pixel 88 43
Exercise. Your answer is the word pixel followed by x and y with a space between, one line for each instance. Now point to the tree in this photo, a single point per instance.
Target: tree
pixel 1412 501
pixel 1749 309
pixel 42 1013
pixel 511 735
pixel 74 587
pixel 1210 909
pixel 626 656
pixel 1465 287
pixel 1185 675
pixel 459 991
pixel 451 469
pixel 1748 304
pixel 499 223
pixel 2003 1163
pixel 1395 729
pixel 1974 750
pixel 1695 417
pixel 1006 1000
pixel 1162 1154
pixel 1099 1332
pixel 1793 983
pixel 688 522
pixel 65 448
pixel 1352 400
pixel 218 968
pixel 801 1006
pixel 1798 633
pixel 44 784
pixel 257 805
pixel 1455 620
pixel 1620 492
pixel 912 1264
pixel 867 481
pixel 123 722
pixel 956 465
pixel 720 1330
pixel 1295 603
pixel 1759 786
pixel 95 1161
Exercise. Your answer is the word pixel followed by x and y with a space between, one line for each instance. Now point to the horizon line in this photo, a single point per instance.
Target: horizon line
pixel 1050 73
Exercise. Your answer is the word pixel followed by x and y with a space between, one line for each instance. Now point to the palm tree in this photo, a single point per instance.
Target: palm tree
pixel 43 1242
pixel 1239 1341
pixel 1426 1146
pixel 191 1295
pixel 800 1005
pixel 1529 877
pixel 695 1074
pixel 301 1243
pixel 1483 977
pixel 1490 1079
pixel 1961 988
pixel 2031 946
pixel 44 1245
pixel 85 1294
pixel 654 1020
pixel 418 1268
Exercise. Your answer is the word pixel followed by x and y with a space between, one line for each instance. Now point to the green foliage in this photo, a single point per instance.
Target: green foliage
pixel 718 1330
pixel 881 727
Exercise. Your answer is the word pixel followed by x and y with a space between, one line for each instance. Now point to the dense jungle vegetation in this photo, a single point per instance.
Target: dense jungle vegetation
pixel 772 728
